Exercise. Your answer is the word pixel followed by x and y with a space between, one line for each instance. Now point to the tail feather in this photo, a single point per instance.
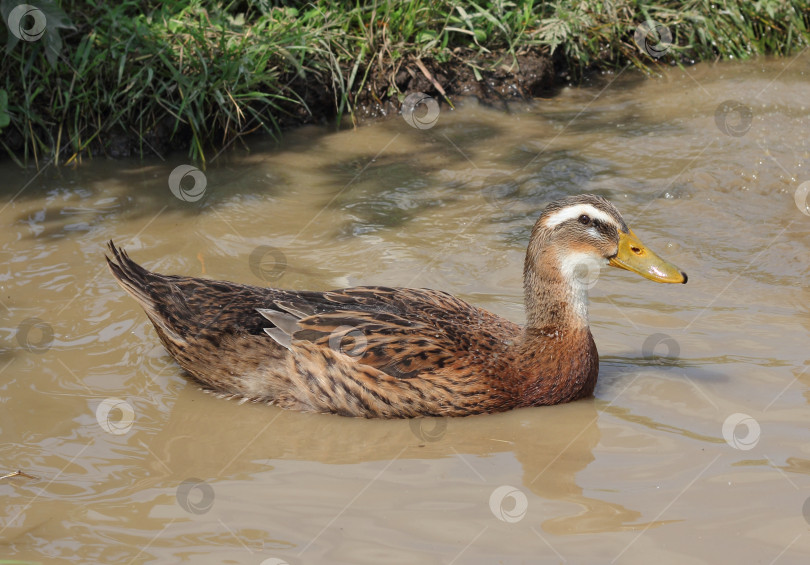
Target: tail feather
pixel 132 277
pixel 142 285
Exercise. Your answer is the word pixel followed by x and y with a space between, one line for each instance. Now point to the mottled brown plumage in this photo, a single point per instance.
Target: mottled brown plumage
pixel 390 352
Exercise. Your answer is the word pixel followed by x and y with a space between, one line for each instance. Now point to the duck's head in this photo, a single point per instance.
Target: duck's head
pixel 571 240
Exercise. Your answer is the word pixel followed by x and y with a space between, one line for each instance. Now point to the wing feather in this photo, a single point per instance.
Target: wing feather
pixel 403 332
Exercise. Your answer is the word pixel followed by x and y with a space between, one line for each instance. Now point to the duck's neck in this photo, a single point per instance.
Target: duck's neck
pixel 555 291
pixel 558 358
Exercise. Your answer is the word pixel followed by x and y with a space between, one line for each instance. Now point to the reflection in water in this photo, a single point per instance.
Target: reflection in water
pixel 550 451
pixel 135 465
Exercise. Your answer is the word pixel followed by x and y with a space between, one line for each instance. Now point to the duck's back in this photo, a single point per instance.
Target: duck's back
pixel 362 351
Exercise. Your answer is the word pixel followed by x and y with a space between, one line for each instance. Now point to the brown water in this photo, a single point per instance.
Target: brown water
pixel 134 465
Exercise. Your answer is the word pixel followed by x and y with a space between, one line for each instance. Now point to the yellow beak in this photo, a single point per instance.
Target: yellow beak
pixel 634 256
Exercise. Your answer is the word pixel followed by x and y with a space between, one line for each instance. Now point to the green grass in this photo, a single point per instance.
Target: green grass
pixel 208 73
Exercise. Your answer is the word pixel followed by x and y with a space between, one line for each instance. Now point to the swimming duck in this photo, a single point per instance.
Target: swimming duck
pixel 382 352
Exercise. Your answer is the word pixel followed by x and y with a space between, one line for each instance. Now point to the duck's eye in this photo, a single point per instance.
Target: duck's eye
pixel 584 219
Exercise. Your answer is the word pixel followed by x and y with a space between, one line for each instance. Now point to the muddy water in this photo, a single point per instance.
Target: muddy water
pixel 134 465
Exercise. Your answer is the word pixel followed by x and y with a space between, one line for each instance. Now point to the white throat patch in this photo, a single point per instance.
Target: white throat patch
pixel 580 272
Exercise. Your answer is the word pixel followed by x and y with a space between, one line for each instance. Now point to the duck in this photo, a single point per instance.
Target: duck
pixel 388 352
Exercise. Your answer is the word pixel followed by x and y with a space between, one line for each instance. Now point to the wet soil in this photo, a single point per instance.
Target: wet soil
pixel 502 80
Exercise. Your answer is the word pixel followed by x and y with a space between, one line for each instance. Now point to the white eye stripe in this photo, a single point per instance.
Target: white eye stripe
pixel 571 212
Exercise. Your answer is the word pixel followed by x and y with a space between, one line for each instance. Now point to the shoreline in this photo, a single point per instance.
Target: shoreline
pixel 120 81
pixel 528 75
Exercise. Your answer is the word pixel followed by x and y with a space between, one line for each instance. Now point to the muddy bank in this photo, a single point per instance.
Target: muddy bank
pixel 129 79
pixel 520 78
pixel 500 79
